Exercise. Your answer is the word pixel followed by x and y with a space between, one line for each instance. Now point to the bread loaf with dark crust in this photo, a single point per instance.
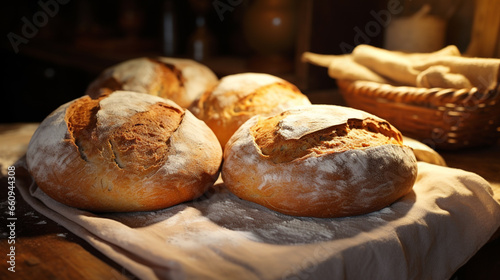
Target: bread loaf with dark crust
pixel 180 80
pixel 125 151
pixel 239 97
pixel 319 161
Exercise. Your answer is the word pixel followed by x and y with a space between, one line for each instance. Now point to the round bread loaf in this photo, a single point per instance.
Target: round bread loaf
pixel 239 97
pixel 180 80
pixel 124 152
pixel 319 161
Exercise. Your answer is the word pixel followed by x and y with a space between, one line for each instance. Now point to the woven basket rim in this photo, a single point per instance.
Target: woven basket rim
pixel 418 95
pixel 443 118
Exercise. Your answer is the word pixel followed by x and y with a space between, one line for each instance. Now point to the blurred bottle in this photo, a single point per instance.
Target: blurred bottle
pixel 201 44
pixel 169 28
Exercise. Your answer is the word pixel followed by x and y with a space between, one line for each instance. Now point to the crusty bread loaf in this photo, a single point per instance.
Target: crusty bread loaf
pixel 123 152
pixel 239 97
pixel 180 80
pixel 319 161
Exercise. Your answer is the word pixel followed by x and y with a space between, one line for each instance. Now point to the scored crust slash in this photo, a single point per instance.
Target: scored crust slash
pixel 181 80
pixel 125 151
pixel 319 161
pixel 239 97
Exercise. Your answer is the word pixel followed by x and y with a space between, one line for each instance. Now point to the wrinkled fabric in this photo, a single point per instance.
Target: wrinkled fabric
pixel 445 68
pixel 428 234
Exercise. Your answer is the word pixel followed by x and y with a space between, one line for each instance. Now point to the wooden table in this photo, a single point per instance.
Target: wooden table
pixel 46 250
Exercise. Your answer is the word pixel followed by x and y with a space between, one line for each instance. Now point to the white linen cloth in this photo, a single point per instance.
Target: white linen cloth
pixel 445 68
pixel 428 234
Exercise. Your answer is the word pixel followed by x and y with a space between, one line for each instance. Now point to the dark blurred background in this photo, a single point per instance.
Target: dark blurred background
pixel 52 49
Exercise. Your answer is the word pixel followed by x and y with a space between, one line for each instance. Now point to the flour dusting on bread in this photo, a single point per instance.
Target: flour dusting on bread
pixel 126 73
pixel 319 161
pixel 125 151
pixel 242 84
pixel 114 112
pixel 300 122
pixel 238 97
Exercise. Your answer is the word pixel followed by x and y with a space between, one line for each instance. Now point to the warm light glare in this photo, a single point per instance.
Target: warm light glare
pixel 276 21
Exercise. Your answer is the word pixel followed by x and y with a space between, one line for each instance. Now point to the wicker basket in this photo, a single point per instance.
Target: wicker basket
pixel 441 118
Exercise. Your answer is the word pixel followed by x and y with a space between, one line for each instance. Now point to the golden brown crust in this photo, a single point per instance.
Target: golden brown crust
pixel 124 152
pixel 239 97
pixel 264 162
pixel 138 145
pixel 353 134
pixel 180 80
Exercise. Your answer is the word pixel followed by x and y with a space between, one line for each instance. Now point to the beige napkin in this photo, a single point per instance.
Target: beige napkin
pixel 445 68
pixel 343 67
pixel 423 152
pixel 428 234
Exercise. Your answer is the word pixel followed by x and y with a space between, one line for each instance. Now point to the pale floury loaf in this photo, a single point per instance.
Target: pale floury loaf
pixel 238 97
pixel 127 151
pixel 319 161
pixel 180 80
